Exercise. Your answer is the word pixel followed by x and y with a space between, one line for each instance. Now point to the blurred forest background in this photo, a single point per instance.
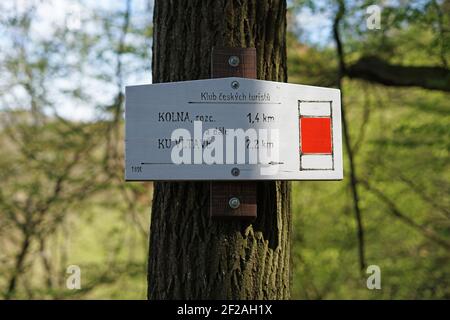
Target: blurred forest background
pixel 63 200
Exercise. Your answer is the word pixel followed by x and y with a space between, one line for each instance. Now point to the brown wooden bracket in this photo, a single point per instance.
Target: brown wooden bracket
pixel 224 63
pixel 233 199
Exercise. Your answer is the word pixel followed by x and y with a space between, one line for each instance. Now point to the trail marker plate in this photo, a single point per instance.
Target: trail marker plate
pixel 294 131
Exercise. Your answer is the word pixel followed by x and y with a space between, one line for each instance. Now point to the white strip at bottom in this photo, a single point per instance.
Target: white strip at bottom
pixel 316 161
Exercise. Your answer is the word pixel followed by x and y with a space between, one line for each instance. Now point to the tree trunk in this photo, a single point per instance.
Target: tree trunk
pixel 192 256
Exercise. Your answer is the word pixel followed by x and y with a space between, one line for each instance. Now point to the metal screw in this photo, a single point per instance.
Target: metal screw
pixel 233 61
pixel 234 203
pixel 235 172
pixel 235 85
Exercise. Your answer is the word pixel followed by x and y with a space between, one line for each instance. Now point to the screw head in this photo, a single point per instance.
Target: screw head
pixel 235 85
pixel 235 172
pixel 234 203
pixel 233 61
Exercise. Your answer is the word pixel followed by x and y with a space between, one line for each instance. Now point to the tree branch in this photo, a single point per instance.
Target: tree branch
pixel 376 70
pixel 395 211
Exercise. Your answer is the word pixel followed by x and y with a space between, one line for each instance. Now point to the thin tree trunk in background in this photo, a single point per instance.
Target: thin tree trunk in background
pixel 346 135
pixel 18 266
pixel 191 256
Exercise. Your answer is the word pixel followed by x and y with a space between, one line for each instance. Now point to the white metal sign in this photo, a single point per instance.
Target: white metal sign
pixel 232 129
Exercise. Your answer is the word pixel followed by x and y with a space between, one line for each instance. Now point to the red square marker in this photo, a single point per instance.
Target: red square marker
pixel 315 135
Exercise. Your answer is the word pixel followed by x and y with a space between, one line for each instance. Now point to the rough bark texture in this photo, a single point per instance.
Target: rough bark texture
pixel 192 256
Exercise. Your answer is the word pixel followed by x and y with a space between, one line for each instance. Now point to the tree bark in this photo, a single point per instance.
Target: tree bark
pixel 192 256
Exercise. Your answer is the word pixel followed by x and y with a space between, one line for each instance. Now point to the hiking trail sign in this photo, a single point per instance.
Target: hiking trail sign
pixel 232 129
